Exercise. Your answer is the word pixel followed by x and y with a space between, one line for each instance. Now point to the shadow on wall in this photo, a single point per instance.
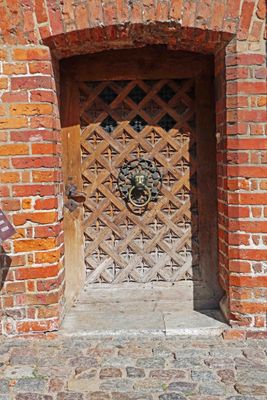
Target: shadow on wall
pixel 5 262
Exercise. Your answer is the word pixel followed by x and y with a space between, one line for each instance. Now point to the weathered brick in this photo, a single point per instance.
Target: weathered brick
pixel 27 245
pixel 30 109
pixel 9 177
pixel 36 272
pixel 13 123
pixel 14 68
pixel 40 217
pixel 32 82
pixel 31 54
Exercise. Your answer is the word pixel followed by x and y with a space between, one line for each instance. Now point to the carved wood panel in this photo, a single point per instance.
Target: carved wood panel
pixel 121 121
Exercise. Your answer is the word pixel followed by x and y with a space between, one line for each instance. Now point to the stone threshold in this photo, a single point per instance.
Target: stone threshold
pixel 83 320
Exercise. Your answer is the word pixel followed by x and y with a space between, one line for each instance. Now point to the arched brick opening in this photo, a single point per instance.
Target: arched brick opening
pixel 139 36
pixel 32 294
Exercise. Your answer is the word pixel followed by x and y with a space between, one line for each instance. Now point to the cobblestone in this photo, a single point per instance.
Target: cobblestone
pixel 141 368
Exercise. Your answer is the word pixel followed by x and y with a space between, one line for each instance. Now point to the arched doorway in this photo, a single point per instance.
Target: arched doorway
pixel 141 106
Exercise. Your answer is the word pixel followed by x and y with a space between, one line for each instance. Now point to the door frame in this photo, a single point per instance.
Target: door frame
pixel 155 62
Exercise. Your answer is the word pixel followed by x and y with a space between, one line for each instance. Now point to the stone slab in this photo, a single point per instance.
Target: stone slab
pixel 86 323
pixel 138 319
pixel 194 323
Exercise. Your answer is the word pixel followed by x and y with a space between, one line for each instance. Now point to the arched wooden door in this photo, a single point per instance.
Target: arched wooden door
pixel 151 105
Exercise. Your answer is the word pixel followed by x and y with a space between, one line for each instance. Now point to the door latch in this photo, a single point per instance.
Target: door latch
pixel 74 198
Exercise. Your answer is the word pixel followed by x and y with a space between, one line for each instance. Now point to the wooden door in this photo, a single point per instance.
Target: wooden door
pixel 154 105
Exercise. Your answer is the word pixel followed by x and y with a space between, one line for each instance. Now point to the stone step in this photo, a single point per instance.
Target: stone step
pixel 139 319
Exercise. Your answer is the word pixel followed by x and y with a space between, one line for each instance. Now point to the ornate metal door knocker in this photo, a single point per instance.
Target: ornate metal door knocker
pixel 139 182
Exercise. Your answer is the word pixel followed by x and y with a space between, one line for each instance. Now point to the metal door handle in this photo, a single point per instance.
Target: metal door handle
pixel 74 198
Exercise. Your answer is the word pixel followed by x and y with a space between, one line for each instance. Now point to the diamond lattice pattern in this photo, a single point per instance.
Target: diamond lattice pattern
pixel 120 121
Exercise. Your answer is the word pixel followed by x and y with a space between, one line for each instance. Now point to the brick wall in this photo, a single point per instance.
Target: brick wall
pixel 35 34
pixel 30 181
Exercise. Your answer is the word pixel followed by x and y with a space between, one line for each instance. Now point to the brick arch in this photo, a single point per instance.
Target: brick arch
pixel 77 15
pixel 71 27
pixel 172 35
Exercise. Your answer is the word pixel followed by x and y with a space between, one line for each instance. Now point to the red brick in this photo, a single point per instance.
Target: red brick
pixel 176 9
pixel 238 239
pixel 47 122
pixel 36 326
pixel 248 226
pixel 40 11
pixel 48 312
pixel 15 287
pixel 256 31
pixel 249 307
pixel 202 15
pixel 247 171
pixel 261 73
pixel 14 149
pixel 29 23
pixel 32 82
pixel 249 254
pixel 10 205
pixel 43 148
pixel 245 19
pixel 47 231
pixel 26 203
pixel 248 281
pixel 45 204
pixel 40 67
pixel 27 245
pixel 261 9
pixel 55 17
pixel 240 293
pixel 35 162
pixel 9 177
pixel 33 190
pixel 234 334
pixel 30 109
pixel 14 68
pixel 136 12
pixel 14 97
pixel 247 144
pixel 13 123
pixel 3 83
pixel 239 266
pixel 122 11
pixel 260 321
pixel 47 257
pixel 247 87
pixel 3 55
pixel 45 176
pixel 40 217
pixel 36 272
pixel 235 72
pixel 46 96
pixel 81 16
pixel 31 54
pixel 218 15
pixel 238 212
pixel 245 59
pixel 42 298
pixel 33 136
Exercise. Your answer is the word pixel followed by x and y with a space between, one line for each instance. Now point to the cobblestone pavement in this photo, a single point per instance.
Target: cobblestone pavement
pixel 162 368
